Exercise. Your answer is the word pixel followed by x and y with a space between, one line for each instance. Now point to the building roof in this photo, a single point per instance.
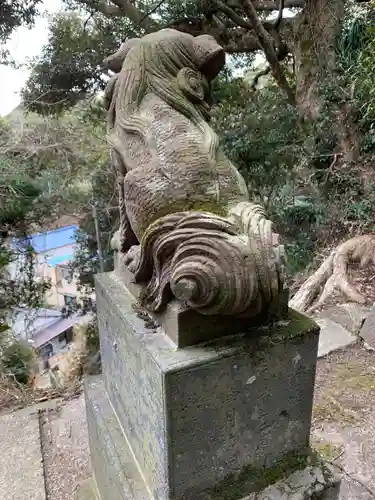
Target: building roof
pixel 52 331
pixel 32 320
pixel 60 260
pixel 42 325
pixel 49 240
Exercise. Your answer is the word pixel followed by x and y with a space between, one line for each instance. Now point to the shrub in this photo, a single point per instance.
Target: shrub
pixel 19 361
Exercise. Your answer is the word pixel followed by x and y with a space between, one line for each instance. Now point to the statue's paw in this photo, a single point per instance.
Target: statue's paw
pixel 132 258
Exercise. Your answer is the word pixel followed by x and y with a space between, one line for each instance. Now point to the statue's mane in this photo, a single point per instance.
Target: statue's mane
pixel 153 65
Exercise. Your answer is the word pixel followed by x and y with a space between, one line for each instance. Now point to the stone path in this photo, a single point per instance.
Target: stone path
pixel 44 451
pixel 21 463
pixel 65 449
pixel 340 326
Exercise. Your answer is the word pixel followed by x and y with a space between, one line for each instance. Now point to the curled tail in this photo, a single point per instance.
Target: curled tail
pixel 216 265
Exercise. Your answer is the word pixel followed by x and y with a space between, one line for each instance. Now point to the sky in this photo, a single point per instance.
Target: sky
pixel 26 43
pixel 23 44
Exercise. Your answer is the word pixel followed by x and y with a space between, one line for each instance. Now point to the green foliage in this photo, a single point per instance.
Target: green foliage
pixel 259 133
pixel 356 55
pixel 86 259
pixel 14 14
pixel 69 68
pixel 18 360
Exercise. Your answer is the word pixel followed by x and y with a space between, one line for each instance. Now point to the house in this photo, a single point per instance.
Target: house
pixel 54 249
pixel 47 330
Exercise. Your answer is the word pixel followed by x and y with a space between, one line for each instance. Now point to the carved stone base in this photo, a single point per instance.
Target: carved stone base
pixel 119 478
pixel 187 327
pixel 200 423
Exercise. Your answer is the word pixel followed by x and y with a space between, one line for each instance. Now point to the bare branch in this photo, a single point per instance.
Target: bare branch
pixel 103 7
pixel 261 73
pixel 123 8
pixel 270 6
pixel 266 42
pixel 135 15
pixel 279 18
pixel 236 18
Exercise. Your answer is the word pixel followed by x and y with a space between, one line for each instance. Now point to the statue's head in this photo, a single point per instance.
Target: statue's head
pixel 205 53
pixel 176 66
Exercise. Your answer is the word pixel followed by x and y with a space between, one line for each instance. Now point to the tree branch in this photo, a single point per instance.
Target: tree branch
pixel 236 18
pixel 261 73
pixel 136 15
pixel 266 42
pixel 270 6
pixel 103 7
pixel 123 8
pixel 279 18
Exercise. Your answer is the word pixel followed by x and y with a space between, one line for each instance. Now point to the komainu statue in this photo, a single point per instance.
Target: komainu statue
pixel 188 230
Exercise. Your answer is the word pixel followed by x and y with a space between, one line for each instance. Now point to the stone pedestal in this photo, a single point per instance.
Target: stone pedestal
pixel 213 421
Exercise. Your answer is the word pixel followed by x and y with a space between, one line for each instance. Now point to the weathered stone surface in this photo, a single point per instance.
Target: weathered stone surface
pixel 188 229
pixel 116 475
pixel 368 330
pixel 313 482
pixel 21 464
pixel 187 327
pixel 194 416
pixel 333 336
pixel 120 479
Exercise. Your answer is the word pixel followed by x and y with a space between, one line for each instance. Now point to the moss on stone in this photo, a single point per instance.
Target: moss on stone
pixel 188 206
pixel 327 450
pixel 296 325
pixel 251 479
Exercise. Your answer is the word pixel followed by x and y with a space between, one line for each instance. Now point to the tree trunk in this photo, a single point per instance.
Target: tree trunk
pixel 332 276
pixel 315 36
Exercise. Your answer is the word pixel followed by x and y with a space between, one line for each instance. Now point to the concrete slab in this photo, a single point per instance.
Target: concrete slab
pixel 21 464
pixel 333 336
pixel 350 315
pixel 368 330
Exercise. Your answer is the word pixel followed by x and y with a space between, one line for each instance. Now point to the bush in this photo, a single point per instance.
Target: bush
pixel 19 360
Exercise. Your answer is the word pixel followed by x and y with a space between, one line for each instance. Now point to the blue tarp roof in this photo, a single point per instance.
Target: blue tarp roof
pixel 54 261
pixel 43 242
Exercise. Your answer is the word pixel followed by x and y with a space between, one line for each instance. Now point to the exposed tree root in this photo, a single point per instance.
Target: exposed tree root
pixel 332 275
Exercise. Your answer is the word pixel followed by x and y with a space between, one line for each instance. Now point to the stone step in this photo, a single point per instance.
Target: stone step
pixel 350 315
pixel 21 462
pixel 333 336
pixel 367 332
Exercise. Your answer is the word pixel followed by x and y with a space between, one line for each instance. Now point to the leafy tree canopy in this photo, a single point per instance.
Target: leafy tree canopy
pixel 13 14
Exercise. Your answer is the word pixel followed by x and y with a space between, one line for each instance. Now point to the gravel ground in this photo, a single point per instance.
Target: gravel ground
pixel 65 449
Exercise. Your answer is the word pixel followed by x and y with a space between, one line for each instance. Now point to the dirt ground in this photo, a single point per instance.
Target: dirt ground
pixel 344 418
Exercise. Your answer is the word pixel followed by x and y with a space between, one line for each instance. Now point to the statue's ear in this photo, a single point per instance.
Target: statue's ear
pixel 209 55
pixel 116 60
